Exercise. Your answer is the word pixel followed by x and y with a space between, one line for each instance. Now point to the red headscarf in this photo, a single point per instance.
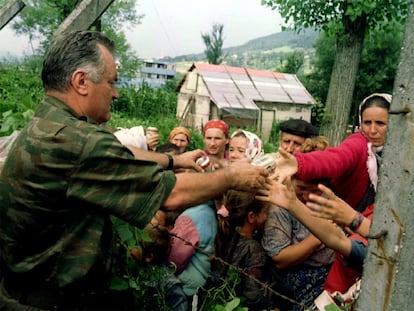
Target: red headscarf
pixel 217 124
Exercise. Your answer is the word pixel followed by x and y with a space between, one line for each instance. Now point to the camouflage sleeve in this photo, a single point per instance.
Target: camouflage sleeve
pixel 62 179
pixel 109 176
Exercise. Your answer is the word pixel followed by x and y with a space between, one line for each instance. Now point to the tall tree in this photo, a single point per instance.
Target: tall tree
pixel 376 71
pixel 214 44
pixel 40 18
pixel 349 21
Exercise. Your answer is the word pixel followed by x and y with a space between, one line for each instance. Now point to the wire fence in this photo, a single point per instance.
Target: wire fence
pixel 241 271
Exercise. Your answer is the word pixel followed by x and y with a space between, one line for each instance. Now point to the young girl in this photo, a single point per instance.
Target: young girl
pixel 244 144
pixel 241 219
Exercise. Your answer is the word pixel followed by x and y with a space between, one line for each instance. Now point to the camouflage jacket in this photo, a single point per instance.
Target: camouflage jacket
pixel 63 178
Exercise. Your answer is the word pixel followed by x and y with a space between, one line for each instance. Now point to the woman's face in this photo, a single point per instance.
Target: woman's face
pixel 237 148
pixel 374 125
pixel 180 140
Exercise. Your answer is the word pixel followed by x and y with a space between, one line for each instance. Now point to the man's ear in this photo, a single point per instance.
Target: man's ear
pixel 80 82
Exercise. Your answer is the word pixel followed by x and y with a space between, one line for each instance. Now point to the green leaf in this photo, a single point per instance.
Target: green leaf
pixel 332 307
pixel 117 283
pixel 231 305
pixel 125 233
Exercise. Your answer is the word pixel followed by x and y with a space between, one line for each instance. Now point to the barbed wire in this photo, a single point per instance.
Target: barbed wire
pixel 263 285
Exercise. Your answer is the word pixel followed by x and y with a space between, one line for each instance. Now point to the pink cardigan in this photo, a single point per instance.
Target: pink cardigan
pixel 345 164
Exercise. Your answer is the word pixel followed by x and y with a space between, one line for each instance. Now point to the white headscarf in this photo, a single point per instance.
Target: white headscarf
pixel 372 161
pixel 254 147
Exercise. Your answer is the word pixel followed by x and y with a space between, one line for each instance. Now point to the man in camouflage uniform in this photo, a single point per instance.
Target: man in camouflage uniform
pixel 66 174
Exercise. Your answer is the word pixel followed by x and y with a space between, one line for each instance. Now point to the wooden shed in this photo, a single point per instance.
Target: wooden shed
pixel 241 97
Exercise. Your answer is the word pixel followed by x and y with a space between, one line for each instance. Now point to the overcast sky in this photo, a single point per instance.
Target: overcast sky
pixel 174 27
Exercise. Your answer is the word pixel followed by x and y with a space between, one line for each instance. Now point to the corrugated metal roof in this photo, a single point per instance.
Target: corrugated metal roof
pixel 238 88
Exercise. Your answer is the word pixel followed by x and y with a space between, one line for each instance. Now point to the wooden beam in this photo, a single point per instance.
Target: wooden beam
pixel 10 10
pixel 84 15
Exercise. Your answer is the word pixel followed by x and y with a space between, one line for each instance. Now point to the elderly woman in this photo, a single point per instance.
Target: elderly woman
pixel 181 137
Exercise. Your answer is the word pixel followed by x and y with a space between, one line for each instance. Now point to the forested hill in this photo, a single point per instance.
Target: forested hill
pixel 261 53
pixel 304 40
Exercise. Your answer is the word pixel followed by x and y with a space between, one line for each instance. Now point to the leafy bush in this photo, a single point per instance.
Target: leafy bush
pixel 139 283
pixel 20 91
pixel 221 296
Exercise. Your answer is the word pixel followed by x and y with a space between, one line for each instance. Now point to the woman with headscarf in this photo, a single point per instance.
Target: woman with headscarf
pixel 244 144
pixel 181 137
pixel 352 166
pixel 216 139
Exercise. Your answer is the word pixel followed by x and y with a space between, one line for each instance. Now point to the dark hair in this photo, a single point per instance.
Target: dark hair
pixel 70 51
pixel 170 218
pixel 160 245
pixel 375 100
pixel 238 204
pixel 168 147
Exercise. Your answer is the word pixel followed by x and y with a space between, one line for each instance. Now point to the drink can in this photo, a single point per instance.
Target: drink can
pixel 267 161
pixel 205 163
pixel 151 131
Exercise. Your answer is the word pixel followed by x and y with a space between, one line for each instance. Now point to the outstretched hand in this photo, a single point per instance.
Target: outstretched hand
pixel 286 165
pixel 152 141
pixel 282 195
pixel 329 206
pixel 187 160
pixel 247 177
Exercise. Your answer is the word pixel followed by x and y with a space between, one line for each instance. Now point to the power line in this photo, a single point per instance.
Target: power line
pixel 164 29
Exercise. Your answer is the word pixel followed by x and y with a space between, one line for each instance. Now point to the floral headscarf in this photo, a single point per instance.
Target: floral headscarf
pixel 254 147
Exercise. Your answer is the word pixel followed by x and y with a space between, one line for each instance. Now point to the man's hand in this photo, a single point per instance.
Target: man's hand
pixel 187 160
pixel 247 177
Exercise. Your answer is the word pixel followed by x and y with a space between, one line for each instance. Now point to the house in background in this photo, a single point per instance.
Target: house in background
pixel 153 72
pixel 241 97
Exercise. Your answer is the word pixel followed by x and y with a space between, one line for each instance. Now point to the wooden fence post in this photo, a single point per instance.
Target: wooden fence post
pixel 84 15
pixel 9 10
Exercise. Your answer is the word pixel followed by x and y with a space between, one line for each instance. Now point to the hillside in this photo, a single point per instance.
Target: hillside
pixel 260 53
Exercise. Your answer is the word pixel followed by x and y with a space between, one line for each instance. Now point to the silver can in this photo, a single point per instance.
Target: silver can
pixel 267 161
pixel 151 131
pixel 205 163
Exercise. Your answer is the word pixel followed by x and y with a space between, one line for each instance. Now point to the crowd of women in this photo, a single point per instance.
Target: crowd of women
pixel 303 235
pixel 295 228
